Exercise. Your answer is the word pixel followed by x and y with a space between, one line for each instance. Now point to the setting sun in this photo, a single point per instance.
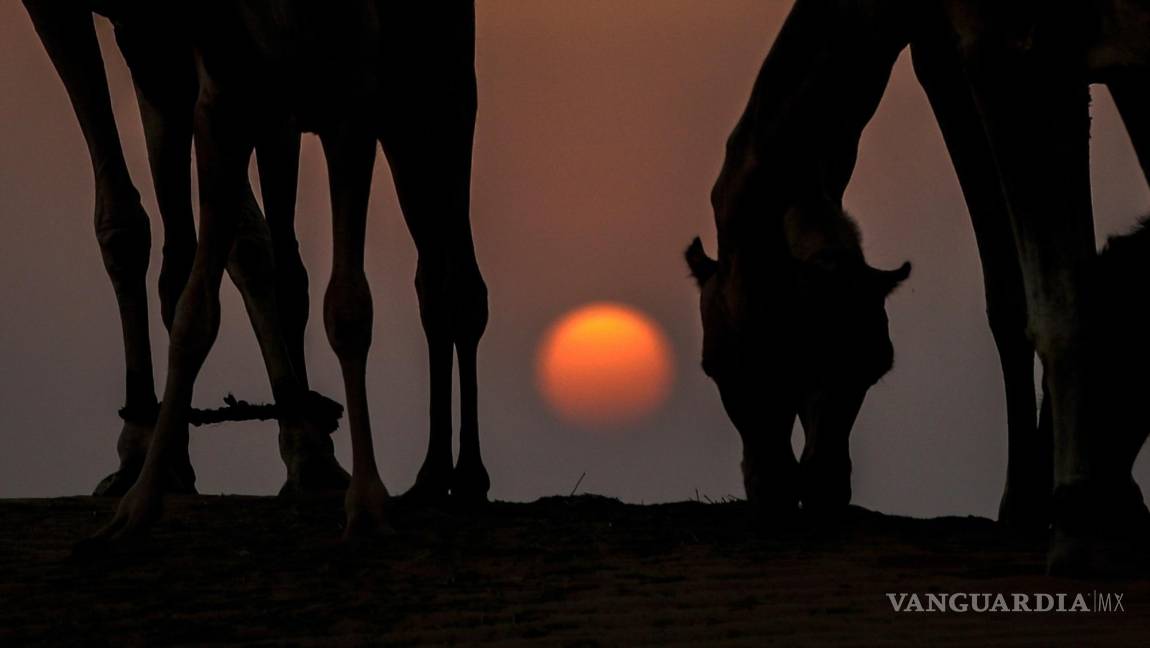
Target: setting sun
pixel 604 365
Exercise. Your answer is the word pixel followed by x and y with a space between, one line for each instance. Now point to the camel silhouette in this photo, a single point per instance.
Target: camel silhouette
pixel 811 310
pixel 161 59
pixel 356 74
pixel 1008 82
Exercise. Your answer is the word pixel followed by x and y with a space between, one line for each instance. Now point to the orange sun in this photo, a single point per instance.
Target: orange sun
pixel 604 365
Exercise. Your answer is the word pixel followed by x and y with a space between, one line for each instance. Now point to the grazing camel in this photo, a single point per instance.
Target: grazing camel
pixel 815 314
pixel 162 63
pixel 1008 82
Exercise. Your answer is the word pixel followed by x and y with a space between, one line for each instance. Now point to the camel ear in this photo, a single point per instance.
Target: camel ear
pixel 702 266
pixel 888 280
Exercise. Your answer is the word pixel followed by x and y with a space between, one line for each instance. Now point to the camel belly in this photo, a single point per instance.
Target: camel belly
pixel 315 61
pixel 1122 43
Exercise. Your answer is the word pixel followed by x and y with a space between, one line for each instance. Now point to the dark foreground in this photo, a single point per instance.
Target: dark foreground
pixel 581 571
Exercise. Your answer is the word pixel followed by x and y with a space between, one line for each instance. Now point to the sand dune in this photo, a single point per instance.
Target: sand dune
pixel 581 571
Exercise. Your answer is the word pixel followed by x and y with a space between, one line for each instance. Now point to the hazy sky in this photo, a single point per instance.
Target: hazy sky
pixel 601 129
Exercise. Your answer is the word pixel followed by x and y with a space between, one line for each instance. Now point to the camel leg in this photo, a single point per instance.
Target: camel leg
pixel 347 311
pixel 427 136
pixel 122 227
pixel 277 157
pixel 1034 105
pixel 305 441
pixel 305 436
pixel 1029 472
pixel 825 464
pixel 164 74
pixel 222 151
pixel 770 472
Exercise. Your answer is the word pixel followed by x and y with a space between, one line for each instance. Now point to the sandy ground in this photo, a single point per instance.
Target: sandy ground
pixel 582 571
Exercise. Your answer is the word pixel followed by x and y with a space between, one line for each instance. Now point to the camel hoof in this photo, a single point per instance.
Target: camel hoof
pixel 90 550
pixel 432 484
pixel 180 481
pixel 1027 516
pixel 118 483
pixel 470 484
pixel 317 476
pixel 366 527
pixel 427 492
pixel 1085 557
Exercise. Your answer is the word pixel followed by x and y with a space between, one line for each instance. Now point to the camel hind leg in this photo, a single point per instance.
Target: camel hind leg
pixel 427 134
pixel 122 228
pixel 348 316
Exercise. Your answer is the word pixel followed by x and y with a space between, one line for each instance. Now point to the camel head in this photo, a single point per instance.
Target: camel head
pixel 797 328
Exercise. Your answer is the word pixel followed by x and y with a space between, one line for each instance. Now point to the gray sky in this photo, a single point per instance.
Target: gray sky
pixel 601 130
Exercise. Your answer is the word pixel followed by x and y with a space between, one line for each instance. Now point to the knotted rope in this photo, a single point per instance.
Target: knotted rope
pixel 313 407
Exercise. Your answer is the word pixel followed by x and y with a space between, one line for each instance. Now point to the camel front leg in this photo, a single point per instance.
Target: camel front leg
pixel 1025 501
pixel 122 227
pixel 350 153
pixel 825 464
pixel 770 472
pixel 1033 100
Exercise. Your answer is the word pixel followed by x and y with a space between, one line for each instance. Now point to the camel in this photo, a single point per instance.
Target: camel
pixel 343 72
pixel 1009 85
pixel 819 321
pixel 163 70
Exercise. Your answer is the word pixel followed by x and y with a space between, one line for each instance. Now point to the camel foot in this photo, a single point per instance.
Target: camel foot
pixel 316 475
pixel 132 447
pixel 776 500
pixel 470 483
pixel 366 504
pixel 309 456
pixel 432 484
pixel 118 483
pixel 426 493
pixel 1025 513
pixel 137 511
pixel 1072 556
pixel 180 480
pixel 1100 530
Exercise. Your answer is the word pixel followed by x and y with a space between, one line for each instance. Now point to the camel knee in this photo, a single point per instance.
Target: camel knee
pixel 347 315
pixel 125 239
pixel 250 261
pixel 1055 339
pixel 472 314
pixel 453 304
pixel 197 322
